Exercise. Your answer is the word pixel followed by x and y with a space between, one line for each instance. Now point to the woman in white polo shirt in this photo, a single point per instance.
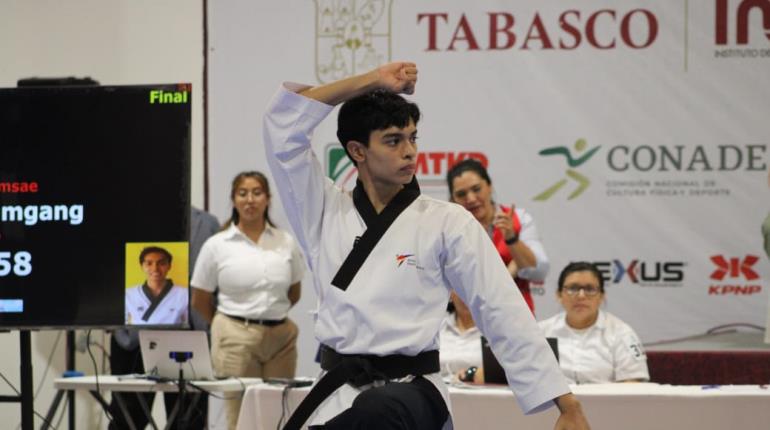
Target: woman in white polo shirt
pixel 594 346
pixel 256 269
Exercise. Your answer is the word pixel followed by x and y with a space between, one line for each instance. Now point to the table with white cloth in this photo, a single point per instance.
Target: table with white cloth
pixel 628 406
pixel 131 384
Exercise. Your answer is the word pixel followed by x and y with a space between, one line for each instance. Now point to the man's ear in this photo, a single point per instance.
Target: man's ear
pixel 357 150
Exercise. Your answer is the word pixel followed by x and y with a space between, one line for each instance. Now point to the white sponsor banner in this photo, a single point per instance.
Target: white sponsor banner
pixel 634 131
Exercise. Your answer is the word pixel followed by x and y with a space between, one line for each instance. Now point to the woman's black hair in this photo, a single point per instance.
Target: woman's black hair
pixel 467 165
pixel 581 266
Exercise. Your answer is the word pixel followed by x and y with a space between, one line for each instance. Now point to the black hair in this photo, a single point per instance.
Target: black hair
pixel 580 266
pixel 467 165
pixel 259 177
pixel 154 249
pixel 375 110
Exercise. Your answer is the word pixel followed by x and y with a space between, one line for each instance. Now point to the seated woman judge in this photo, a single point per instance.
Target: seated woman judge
pixel 594 345
pixel 256 269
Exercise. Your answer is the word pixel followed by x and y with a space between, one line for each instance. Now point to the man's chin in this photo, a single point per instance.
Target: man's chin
pixel 407 179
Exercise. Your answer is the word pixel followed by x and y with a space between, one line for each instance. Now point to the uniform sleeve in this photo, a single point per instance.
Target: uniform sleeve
pixel 287 127
pixel 531 238
pixel 205 273
pixel 630 358
pixel 474 270
pixel 297 262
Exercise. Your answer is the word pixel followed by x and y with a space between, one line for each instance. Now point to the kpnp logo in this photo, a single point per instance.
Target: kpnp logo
pixel 432 167
pixel 733 26
pixel 736 270
pixel 643 273
pixel 735 267
pixel 351 36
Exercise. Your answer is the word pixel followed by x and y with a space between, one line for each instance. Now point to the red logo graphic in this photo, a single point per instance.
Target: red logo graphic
pixel 438 163
pixel 401 258
pixel 734 267
pixel 741 20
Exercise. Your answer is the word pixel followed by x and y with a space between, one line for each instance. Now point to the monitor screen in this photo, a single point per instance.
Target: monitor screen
pixel 91 178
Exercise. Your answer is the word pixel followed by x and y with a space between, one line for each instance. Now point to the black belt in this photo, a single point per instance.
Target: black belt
pixel 269 323
pixel 359 370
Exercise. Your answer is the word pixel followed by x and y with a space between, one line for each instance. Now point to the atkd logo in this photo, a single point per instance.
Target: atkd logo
pixel 431 165
pixel 658 273
pixel 742 12
pixel 734 267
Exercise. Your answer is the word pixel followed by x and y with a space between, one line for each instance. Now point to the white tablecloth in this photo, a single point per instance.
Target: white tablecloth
pixel 607 406
pixel 132 384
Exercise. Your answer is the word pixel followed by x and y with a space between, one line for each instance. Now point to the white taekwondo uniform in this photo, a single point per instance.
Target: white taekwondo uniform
pixel 397 301
pixel 608 351
pixel 171 310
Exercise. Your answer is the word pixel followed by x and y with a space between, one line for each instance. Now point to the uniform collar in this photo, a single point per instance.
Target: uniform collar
pixel 600 324
pixel 397 204
pixel 233 231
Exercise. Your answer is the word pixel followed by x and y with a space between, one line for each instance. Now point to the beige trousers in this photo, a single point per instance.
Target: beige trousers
pixel 251 350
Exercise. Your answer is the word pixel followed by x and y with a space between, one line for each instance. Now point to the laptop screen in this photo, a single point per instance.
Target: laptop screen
pixel 160 347
pixel 493 372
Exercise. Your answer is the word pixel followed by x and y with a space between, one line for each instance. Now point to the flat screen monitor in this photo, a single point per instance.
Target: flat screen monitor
pixel 91 177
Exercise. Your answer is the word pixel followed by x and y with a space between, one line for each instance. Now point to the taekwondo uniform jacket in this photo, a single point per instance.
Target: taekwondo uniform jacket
pixel 171 310
pixel 608 351
pixel 396 302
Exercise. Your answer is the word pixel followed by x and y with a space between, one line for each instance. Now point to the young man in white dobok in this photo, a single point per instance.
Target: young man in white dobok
pixel 384 259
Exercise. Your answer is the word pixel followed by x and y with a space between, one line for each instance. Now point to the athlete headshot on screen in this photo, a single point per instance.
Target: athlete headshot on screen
pixel 157 301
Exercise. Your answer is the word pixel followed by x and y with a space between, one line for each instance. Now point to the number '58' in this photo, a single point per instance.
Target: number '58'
pixel 20 263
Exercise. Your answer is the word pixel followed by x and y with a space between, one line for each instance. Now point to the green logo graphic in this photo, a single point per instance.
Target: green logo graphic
pixel 583 182
pixel 339 167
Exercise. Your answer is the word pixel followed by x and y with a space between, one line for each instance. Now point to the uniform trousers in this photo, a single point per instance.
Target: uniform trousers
pixel 415 405
pixel 243 349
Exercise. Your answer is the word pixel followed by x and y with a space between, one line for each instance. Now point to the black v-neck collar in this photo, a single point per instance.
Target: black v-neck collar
pixel 376 226
pixel 155 301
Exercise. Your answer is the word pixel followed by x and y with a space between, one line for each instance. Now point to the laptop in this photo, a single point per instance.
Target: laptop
pixel 159 347
pixel 493 372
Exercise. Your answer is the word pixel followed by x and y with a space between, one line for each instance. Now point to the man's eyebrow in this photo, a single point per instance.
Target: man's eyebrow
pixel 393 134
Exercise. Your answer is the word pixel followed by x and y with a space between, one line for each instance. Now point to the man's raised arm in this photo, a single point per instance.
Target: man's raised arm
pixel 399 77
